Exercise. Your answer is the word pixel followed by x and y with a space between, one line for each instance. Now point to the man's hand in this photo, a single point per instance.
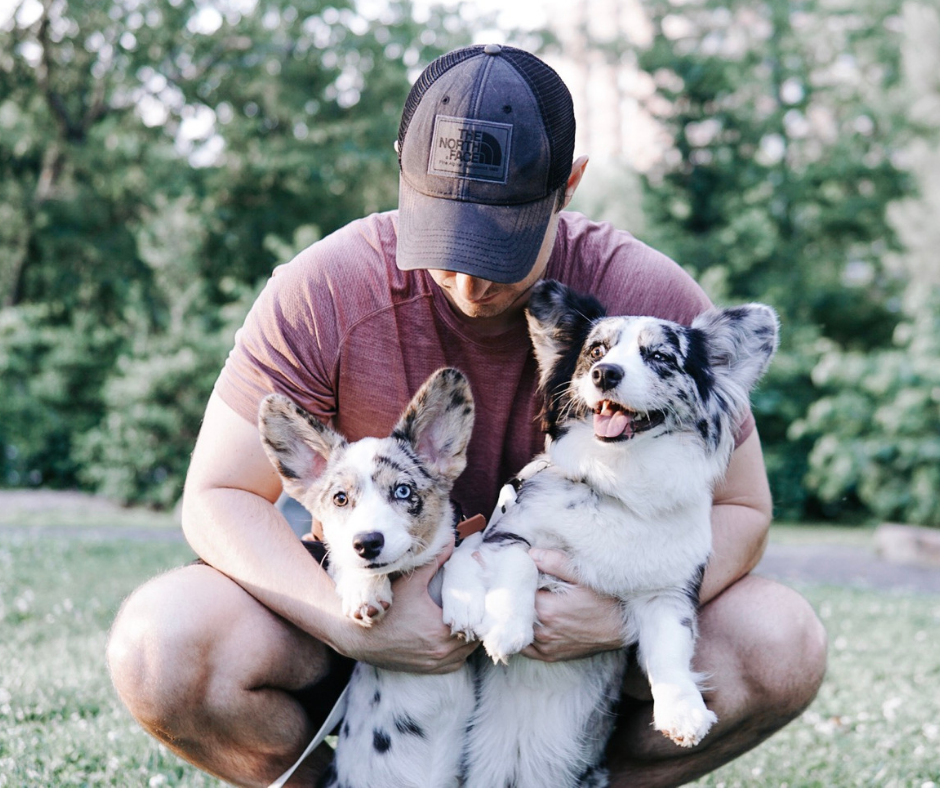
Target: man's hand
pixel 575 622
pixel 411 637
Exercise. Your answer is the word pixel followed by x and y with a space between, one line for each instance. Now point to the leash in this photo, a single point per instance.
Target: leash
pixel 332 720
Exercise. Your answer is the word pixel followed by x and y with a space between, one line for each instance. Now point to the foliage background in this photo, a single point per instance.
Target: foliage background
pixel 159 157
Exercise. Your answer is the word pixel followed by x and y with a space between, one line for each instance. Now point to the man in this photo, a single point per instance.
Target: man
pixel 234 664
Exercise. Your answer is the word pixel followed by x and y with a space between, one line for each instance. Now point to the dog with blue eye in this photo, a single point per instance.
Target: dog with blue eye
pixel 385 509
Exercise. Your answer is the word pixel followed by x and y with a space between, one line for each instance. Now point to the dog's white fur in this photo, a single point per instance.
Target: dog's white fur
pixel 384 505
pixel 627 495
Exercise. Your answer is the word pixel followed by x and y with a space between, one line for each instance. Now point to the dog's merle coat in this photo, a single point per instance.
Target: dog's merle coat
pixel 384 505
pixel 640 416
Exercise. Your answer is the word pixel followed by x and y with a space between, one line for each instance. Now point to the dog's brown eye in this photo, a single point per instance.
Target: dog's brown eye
pixel 340 499
pixel 597 352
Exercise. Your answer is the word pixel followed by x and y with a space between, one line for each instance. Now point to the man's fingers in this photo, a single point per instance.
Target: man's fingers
pixel 444 554
pixel 554 563
pixel 428 571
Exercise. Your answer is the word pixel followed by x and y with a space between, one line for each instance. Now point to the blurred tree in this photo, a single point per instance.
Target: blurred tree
pixel 876 430
pixel 154 400
pixel 157 157
pixel 786 120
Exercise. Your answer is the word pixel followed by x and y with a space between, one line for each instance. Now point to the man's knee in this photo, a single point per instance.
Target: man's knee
pixel 157 650
pixel 786 661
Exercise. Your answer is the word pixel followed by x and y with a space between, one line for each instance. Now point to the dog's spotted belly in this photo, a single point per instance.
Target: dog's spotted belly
pixel 402 730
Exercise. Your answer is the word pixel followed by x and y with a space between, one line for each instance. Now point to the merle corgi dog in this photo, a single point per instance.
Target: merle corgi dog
pixel 640 416
pixel 384 505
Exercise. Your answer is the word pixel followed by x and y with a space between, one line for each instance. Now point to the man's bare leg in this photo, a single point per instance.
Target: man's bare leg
pixel 212 673
pixel 764 651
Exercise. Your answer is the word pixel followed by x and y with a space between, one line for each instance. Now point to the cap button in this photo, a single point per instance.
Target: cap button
pixel 492 49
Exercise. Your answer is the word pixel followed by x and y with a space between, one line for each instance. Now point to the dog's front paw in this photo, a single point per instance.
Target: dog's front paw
pixel 684 719
pixel 463 591
pixel 501 644
pixel 367 613
pixel 366 604
pixel 463 612
pixel 504 637
pixel 509 621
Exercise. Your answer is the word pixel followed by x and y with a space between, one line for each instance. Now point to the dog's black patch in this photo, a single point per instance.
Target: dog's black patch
pixel 663 357
pixel 408 448
pixel 502 537
pixel 569 316
pixel 698 365
pixel 458 400
pixel 694 587
pixel 704 430
pixel 377 698
pixel 286 472
pixel 381 741
pixel 388 462
pixel 594 777
pixel 406 430
pixel 329 777
pixel 407 725
pixel 416 506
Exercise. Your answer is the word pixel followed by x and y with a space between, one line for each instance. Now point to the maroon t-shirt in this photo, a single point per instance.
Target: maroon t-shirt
pixel 349 337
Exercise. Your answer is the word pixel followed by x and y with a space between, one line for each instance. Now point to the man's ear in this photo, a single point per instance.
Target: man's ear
pixel 574 179
pixel 296 442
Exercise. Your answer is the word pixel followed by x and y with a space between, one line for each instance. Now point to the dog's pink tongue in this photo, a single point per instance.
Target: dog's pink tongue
pixel 610 423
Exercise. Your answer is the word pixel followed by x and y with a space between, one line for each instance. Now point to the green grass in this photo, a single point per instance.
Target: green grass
pixel 61 723
pixel 876 721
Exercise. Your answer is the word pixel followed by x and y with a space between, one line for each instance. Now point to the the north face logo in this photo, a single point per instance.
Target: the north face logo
pixel 473 146
pixel 478 150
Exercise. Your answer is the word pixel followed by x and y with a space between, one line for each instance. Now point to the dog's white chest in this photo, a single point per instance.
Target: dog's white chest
pixel 613 549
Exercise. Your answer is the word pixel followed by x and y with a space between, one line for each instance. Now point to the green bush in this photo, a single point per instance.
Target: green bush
pixel 140 451
pixel 52 371
pixel 876 430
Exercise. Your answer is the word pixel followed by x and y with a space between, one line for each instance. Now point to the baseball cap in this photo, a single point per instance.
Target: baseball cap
pixel 485 142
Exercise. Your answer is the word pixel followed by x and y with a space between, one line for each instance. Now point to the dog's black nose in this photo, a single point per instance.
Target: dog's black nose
pixel 606 376
pixel 368 545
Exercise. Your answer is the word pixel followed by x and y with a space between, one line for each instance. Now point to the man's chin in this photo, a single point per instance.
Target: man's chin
pixel 482 310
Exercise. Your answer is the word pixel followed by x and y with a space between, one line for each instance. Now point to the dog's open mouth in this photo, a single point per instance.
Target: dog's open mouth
pixel 613 422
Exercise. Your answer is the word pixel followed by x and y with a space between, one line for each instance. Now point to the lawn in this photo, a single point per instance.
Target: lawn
pixel 875 723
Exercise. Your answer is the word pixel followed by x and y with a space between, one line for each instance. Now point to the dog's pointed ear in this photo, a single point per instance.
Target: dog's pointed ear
pixel 560 320
pixel 740 343
pixel 439 421
pixel 297 443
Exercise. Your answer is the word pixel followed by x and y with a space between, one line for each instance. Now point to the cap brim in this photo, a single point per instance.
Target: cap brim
pixel 499 243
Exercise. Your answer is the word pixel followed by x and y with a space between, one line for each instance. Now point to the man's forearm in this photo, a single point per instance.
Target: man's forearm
pixel 246 538
pixel 741 516
pixel 242 535
pixel 739 537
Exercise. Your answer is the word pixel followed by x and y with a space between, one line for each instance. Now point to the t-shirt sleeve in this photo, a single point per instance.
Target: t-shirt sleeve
pixel 287 344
